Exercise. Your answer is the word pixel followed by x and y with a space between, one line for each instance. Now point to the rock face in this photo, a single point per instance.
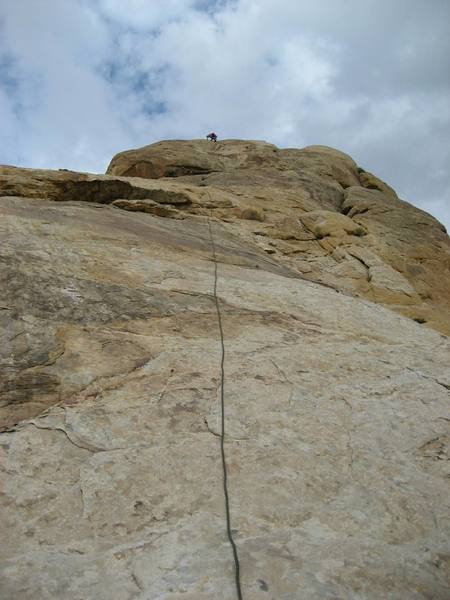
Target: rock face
pixel 334 296
pixel 386 250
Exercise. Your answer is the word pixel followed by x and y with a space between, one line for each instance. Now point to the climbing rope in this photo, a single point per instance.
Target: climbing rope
pixel 237 575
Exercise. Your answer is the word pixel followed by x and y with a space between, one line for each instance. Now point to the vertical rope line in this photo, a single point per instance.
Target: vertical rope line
pixel 237 575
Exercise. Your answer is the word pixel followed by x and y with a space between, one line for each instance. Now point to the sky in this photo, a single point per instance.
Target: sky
pixel 81 80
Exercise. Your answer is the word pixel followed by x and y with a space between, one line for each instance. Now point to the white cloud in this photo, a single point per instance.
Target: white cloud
pixel 144 15
pixel 92 77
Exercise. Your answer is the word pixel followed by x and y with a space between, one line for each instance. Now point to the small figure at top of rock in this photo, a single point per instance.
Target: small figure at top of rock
pixel 212 136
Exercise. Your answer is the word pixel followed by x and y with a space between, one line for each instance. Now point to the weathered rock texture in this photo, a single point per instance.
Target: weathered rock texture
pixel 334 296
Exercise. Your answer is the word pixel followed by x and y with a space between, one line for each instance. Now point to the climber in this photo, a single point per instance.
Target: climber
pixel 212 136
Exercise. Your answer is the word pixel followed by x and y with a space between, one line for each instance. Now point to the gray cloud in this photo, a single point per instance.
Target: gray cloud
pixel 81 80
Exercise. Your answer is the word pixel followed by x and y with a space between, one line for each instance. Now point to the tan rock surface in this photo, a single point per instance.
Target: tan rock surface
pixel 325 222
pixel 243 182
pixel 336 407
pixel 369 181
pixel 412 248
